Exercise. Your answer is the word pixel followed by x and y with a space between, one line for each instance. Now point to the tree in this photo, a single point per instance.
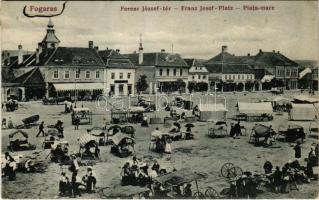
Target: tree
pixel 142 84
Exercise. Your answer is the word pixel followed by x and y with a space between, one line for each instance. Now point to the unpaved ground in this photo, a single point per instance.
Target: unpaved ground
pixel 202 154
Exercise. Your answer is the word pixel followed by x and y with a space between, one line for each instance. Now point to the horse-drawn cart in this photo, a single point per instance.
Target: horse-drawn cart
pixel 18 141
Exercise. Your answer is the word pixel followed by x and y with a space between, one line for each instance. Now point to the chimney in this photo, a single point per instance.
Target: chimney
pixel 96 48
pixel 248 54
pixel 37 56
pixel 260 50
pixel 273 51
pixel 20 54
pixel 91 44
pixel 117 50
pixel 162 50
pixel 140 51
pixel 107 48
pixel 278 52
pixel 224 49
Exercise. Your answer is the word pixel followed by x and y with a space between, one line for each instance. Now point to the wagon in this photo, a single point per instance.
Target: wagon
pixel 123 146
pixel 100 133
pixel 119 116
pixel 49 140
pixel 260 133
pixel 181 177
pixel 128 130
pixel 218 130
pixel 60 152
pixel 135 114
pixel 84 114
pixel 29 121
pixel 88 147
pixel 292 133
pixel 18 141
pixel 125 192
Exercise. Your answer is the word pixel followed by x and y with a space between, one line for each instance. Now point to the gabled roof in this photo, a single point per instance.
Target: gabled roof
pixel 7 75
pixel 224 57
pixel 271 59
pixel 229 68
pixel 158 59
pixel 114 59
pixel 194 62
pixel 260 73
pixel 109 53
pixel 74 56
pixel 25 60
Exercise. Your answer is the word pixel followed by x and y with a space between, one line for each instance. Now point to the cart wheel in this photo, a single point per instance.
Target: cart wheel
pixel 226 170
pixel 211 193
pixel 199 195
pixel 235 171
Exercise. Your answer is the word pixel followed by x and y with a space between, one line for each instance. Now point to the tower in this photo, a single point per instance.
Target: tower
pixel 50 40
pixel 140 51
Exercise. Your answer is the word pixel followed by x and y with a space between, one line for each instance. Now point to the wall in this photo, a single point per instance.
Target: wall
pixel 125 81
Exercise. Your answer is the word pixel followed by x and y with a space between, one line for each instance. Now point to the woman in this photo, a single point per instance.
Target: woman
pixel 277 178
pixel 12 166
pixel 168 148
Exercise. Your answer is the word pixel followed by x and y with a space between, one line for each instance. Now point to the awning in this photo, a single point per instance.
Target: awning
pixel 304 72
pixel 86 138
pixel 267 78
pixel 251 108
pixel 78 86
pixel 306 99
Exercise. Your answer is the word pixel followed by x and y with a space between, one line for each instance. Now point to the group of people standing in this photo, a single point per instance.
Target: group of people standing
pixel 9 167
pixel 71 187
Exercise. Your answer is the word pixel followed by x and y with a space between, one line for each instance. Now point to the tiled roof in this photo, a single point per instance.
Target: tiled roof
pixel 260 73
pixel 229 68
pixel 158 59
pixel 270 59
pixel 7 75
pixel 114 59
pixel 34 75
pixel 74 56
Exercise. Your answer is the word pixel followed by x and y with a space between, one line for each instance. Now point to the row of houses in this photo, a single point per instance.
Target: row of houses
pixel 86 72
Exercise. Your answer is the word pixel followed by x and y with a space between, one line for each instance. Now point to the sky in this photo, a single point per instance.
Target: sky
pixel 292 28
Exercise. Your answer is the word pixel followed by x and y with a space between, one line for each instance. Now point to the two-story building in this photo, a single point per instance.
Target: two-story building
pixel 227 72
pixel 165 72
pixel 197 75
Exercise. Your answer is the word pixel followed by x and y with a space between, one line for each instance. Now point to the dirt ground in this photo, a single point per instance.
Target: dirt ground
pixel 203 154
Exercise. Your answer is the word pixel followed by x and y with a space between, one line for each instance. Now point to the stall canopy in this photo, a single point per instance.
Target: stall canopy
pixel 306 112
pixel 212 112
pixel 251 108
pixel 86 138
pixel 78 86
pixel 118 137
pixel 305 99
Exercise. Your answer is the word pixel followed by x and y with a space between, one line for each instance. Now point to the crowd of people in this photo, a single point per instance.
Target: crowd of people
pixel 76 185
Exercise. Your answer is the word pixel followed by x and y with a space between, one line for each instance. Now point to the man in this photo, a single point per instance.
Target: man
pixel 277 179
pixel 268 167
pixel 41 127
pixel 75 185
pixel 188 191
pixel 63 184
pixel 237 130
pixel 76 123
pixel 89 180
pixel 297 150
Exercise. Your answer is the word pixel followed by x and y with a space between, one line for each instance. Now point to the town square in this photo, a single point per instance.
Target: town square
pixel 153 113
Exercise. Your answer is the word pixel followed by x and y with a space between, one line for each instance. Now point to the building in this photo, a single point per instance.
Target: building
pixel 165 72
pixel 280 67
pixel 228 72
pixel 197 75
pixel 119 73
pixel 78 72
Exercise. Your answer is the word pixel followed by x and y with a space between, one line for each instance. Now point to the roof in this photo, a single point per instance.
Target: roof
pixel 252 108
pixel 271 59
pixel 306 99
pixel 117 139
pixel 260 73
pixel 32 76
pixel 75 56
pixel 7 75
pixel 86 138
pixel 229 68
pixel 158 59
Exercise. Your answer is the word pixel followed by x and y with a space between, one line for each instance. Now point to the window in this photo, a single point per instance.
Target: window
pixel 167 72
pixel 113 76
pixel 97 74
pixel 204 76
pixel 128 75
pixel 181 72
pixel 174 72
pixel 193 77
pixel 161 72
pixel 87 74
pixel 56 74
pixel 198 76
pixel 121 75
pixel 226 77
pixel 66 74
pixel 234 77
pixel 238 76
pixel 77 74
pixel 242 77
pixel 195 68
pixel 288 72
pixel 200 68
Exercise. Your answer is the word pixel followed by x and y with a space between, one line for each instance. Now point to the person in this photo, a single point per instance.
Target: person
pixel 10 123
pixel 168 147
pixel 4 123
pixel 75 165
pixel 156 167
pixel 75 184
pixel 183 115
pixel 41 127
pixel 125 173
pixel 297 150
pixel 144 123
pixel 188 134
pixel 237 129
pixel 188 191
pixel 59 127
pixel 12 166
pixel 268 167
pixel 155 134
pixel 232 130
pixel 66 108
pixel 312 156
pixel 277 179
pixel 97 151
pixel 89 180
pixel 76 123
pixel 63 184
